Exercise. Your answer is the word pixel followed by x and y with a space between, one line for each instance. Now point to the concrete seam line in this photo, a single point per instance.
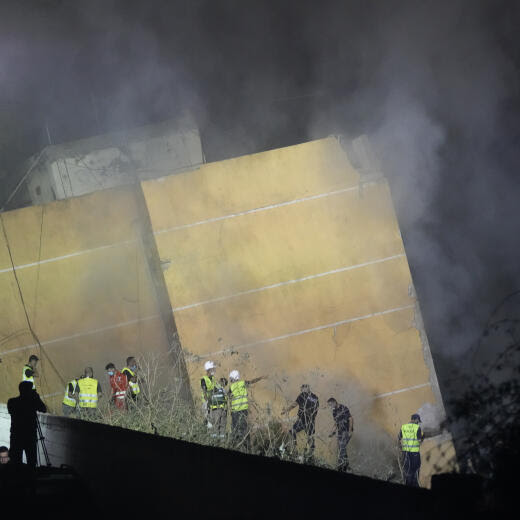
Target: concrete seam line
pixel 184 226
pixel 257 210
pixel 123 324
pixel 64 257
pixel 402 390
pixel 301 332
pixel 288 282
pixel 80 334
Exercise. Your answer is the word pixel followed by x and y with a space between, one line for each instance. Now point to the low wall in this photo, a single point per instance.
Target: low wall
pixel 158 474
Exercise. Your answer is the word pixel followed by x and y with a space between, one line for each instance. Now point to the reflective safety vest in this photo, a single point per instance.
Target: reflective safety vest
pixel 409 440
pixel 70 401
pixel 216 394
pixel 25 378
pixel 88 394
pixel 239 396
pixel 134 387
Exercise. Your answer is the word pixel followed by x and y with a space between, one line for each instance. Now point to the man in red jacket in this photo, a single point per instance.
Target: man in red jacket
pixel 119 384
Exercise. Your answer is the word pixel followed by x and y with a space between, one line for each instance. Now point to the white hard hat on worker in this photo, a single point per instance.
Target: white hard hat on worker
pixel 209 365
pixel 234 375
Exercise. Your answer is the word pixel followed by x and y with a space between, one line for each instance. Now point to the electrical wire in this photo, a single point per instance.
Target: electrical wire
pixel 34 335
pixel 22 180
pixel 36 285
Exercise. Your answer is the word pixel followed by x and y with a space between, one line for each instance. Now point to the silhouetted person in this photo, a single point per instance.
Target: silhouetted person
pixel 23 423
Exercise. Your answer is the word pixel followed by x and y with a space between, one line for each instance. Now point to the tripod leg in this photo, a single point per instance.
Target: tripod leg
pixel 42 440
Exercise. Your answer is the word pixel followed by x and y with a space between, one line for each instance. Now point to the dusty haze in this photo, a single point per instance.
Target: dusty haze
pixel 435 85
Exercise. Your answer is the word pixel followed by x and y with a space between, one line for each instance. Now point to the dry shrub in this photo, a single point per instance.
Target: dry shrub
pixel 160 410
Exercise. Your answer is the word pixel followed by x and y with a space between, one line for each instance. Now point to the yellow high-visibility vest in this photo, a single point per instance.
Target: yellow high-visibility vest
pixel 215 392
pixel 239 396
pixel 70 401
pixel 409 440
pixel 134 387
pixel 25 378
pixel 88 394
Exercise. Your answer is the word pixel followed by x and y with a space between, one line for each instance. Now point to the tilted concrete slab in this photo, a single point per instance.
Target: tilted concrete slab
pixel 287 263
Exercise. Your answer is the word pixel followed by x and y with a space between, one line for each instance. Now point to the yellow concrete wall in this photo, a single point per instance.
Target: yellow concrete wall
pixel 280 265
pixel 86 287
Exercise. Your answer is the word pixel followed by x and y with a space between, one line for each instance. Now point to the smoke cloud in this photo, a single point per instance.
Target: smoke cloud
pixel 434 85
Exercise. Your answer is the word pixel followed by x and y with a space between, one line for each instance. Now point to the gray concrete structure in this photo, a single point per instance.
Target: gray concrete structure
pixel 105 161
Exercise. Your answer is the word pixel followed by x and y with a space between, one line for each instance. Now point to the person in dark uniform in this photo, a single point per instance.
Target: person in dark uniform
pixel 308 404
pixel 411 436
pixel 343 428
pixel 23 423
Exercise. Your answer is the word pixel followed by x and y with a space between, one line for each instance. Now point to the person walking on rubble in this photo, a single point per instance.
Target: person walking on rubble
pixel 411 436
pixel 130 371
pixel 120 386
pixel 308 405
pixel 70 402
pixel 214 395
pixel 343 429
pixel 89 392
pixel 239 401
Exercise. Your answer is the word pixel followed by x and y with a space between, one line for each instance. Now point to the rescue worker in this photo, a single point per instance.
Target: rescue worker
pixel 119 384
pixel 130 371
pixel 411 437
pixel 69 400
pixel 214 395
pixel 29 371
pixel 343 428
pixel 240 407
pixel 89 392
pixel 308 405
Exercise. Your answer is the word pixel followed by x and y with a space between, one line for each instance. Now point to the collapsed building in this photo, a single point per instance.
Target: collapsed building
pixel 288 262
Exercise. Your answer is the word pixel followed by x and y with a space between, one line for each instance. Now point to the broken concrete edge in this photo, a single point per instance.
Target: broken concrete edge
pixel 364 159
pixel 150 252
pixel 441 435
pixel 428 359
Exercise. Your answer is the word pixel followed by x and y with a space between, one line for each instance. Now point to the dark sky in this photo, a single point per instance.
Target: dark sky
pixel 434 84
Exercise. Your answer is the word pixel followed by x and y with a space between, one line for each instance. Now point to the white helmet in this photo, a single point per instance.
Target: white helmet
pixel 208 365
pixel 234 375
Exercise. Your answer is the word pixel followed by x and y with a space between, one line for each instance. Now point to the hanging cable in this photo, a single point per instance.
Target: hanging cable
pixel 33 334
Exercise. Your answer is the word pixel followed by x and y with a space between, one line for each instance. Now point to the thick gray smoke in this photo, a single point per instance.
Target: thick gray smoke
pixel 434 84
